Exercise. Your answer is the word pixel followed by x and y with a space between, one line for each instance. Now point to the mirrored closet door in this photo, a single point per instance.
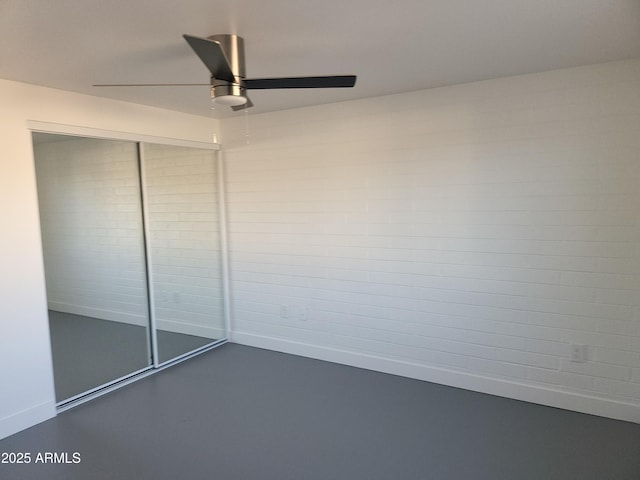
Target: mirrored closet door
pixel 181 204
pixel 132 255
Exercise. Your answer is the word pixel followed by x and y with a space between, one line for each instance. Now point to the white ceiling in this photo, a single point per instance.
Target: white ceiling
pixel 393 46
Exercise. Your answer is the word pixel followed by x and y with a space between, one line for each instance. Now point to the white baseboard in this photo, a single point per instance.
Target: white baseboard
pixel 494 386
pixel 101 314
pixel 191 329
pixel 26 418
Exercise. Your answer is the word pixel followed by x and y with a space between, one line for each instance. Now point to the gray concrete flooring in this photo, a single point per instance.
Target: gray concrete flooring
pixel 241 413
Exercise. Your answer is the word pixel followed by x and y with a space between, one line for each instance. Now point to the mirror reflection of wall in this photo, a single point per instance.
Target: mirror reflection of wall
pixel 97 217
pixel 181 191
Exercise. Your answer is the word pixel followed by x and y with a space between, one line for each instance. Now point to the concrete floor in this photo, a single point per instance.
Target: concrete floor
pixel 241 413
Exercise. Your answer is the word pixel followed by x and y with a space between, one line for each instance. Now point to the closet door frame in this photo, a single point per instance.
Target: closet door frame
pixel 140 140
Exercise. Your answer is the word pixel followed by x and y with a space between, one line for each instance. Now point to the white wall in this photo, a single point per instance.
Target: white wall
pixel 91 223
pixel 27 394
pixel 464 235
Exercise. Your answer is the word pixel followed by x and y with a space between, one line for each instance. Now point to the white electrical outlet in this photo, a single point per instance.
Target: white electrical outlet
pixel 303 314
pixel 578 353
pixel 284 311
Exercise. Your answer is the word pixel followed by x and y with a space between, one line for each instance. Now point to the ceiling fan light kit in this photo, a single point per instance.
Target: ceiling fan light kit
pixel 223 55
pixel 228 94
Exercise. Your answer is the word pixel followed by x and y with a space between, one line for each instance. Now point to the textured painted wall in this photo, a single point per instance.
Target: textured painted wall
pixel 467 235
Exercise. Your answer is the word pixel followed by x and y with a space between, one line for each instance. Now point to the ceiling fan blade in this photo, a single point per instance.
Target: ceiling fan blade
pixel 212 55
pixel 249 104
pixel 332 81
pixel 152 85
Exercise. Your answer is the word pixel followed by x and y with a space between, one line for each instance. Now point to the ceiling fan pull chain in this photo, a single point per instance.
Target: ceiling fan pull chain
pixel 246 127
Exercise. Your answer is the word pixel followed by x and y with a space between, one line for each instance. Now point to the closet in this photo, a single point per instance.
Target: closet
pixel 133 250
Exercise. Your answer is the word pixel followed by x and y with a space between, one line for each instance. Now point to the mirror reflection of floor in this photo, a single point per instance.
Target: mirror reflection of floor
pixel 89 352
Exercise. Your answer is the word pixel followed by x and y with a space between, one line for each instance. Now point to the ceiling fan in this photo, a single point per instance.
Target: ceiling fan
pixel 223 55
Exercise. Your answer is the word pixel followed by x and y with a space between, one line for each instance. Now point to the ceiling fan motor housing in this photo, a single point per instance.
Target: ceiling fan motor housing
pixel 231 93
pixel 233 47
